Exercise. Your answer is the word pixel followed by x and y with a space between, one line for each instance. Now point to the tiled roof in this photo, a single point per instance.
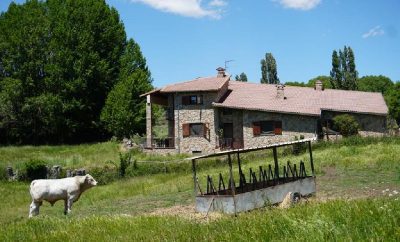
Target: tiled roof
pixel 301 100
pixel 199 84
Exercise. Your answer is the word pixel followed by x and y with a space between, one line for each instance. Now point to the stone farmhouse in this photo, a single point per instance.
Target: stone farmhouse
pixel 207 115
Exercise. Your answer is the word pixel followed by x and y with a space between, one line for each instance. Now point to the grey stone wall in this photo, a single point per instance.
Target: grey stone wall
pixel 292 125
pixel 370 125
pixel 203 113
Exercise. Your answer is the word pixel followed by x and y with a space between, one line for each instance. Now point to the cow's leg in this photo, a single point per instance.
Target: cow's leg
pixel 34 209
pixel 65 206
pixel 71 200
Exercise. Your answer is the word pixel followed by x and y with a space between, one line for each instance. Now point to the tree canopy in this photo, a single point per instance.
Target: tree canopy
pixel 124 112
pixel 59 59
pixel 393 101
pixel 344 74
pixel 269 73
pixel 242 77
pixel 379 83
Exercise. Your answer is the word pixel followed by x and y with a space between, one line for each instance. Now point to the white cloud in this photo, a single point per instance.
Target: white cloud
pixel 375 31
pixel 218 3
pixel 299 4
pixel 187 8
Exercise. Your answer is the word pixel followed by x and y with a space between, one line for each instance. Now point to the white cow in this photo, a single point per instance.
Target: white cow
pixel 51 190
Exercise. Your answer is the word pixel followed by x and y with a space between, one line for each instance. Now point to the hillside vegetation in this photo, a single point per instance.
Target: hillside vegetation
pixel 358 181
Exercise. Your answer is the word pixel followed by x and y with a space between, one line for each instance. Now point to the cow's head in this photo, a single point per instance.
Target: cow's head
pixel 90 180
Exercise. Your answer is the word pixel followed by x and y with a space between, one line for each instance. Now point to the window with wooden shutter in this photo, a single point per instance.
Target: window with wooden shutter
pixel 256 129
pixel 206 130
pixel 278 127
pixel 186 130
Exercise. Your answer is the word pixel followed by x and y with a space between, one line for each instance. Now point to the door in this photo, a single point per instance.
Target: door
pixel 228 135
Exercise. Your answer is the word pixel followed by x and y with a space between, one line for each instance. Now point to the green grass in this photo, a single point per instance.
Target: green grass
pixel 372 219
pixel 72 156
pixel 350 204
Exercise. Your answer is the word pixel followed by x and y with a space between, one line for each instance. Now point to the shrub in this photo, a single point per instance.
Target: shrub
pixel 346 125
pixel 124 162
pixel 104 175
pixel 36 169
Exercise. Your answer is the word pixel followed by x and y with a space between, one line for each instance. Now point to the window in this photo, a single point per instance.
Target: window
pixel 195 130
pixel 269 127
pixel 192 100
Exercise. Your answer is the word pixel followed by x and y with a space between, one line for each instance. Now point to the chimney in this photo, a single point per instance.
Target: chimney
pixel 280 91
pixel 221 72
pixel 319 86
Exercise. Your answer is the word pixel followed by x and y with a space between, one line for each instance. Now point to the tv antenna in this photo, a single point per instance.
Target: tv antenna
pixel 226 62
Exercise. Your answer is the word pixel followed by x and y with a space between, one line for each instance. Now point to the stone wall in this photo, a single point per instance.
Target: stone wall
pixel 292 125
pixel 203 113
pixel 370 125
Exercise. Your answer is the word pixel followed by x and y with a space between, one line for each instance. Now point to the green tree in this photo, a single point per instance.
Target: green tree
pixel 124 113
pixel 344 74
pixel 269 73
pixel 393 101
pixel 379 83
pixel 263 71
pixel 346 125
pixel 65 56
pixel 324 79
pixel 296 84
pixel 241 78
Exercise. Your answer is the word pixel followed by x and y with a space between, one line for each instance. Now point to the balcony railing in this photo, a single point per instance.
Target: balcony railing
pixel 163 143
pixel 230 143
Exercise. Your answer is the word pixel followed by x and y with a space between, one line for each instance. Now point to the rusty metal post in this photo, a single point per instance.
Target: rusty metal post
pixel 311 158
pixel 276 163
pixel 194 177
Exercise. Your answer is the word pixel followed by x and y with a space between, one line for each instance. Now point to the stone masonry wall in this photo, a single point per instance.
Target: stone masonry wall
pixel 370 125
pixel 203 113
pixel 292 125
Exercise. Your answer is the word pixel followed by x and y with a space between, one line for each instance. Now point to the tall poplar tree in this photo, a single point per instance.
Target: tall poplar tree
pixel 344 74
pixel 269 70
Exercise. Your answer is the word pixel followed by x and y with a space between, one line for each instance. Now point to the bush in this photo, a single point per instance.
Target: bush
pixel 36 169
pixel 124 162
pixel 346 125
pixel 104 175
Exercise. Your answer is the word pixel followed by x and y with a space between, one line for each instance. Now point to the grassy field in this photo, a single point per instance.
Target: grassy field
pixel 357 199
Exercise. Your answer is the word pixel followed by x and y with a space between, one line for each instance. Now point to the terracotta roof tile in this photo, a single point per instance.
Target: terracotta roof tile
pixel 199 84
pixel 302 100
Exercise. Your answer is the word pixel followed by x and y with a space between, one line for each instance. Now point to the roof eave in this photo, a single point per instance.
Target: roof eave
pixel 263 110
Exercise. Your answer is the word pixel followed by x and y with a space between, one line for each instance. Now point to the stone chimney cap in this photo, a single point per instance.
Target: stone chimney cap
pixel 221 72
pixel 319 85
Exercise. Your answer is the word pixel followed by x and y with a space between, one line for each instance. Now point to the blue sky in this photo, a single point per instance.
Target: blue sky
pixel 185 39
